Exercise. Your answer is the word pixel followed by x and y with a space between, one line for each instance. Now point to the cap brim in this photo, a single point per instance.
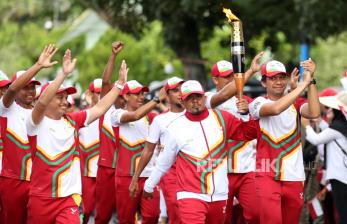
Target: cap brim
pixel 226 73
pixel 167 87
pixel 69 90
pixel 137 90
pixel 329 101
pixel 193 92
pixel 272 74
pixel 97 90
pixel 35 82
pixel 5 83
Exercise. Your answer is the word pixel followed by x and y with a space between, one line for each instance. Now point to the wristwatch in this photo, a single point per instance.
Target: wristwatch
pixel 156 99
pixel 313 81
pixel 119 86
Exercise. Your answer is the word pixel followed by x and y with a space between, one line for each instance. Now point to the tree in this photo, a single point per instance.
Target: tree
pixel 186 23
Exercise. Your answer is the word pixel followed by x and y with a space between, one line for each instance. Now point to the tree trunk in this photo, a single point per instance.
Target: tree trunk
pixel 183 37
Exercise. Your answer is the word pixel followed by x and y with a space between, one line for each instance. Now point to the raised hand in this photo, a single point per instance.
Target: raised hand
pixel 117 47
pixel 68 64
pixel 46 56
pixel 255 65
pixel 294 78
pixel 309 66
pixel 162 95
pixel 123 73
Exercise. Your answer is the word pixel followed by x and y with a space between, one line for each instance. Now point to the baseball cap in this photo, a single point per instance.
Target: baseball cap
pixel 134 86
pixel 95 86
pixel 338 102
pixel 190 87
pixel 273 68
pixel 69 90
pixel 173 83
pixel 327 92
pixel 20 73
pixel 4 81
pixel 222 68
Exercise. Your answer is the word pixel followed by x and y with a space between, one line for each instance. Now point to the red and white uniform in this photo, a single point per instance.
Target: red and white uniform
pixel 199 143
pixel 90 148
pixel 56 176
pixel 105 190
pixel 241 167
pixel 241 154
pixel 280 169
pixel 158 134
pixel 16 162
pixel 132 137
pixel 89 144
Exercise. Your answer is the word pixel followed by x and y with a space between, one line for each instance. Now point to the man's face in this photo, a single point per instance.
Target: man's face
pixel 27 94
pixel 135 100
pixel 276 85
pixel 59 104
pixel 174 96
pixel 120 102
pixel 220 82
pixel 195 103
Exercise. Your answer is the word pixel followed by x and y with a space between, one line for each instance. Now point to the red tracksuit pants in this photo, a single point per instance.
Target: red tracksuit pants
pixel 243 187
pixel 279 202
pixel 105 195
pixel 168 185
pixel 53 210
pixel 126 206
pixel 88 197
pixel 14 200
pixel 195 211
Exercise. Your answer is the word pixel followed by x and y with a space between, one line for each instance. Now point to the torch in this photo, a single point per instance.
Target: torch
pixel 237 50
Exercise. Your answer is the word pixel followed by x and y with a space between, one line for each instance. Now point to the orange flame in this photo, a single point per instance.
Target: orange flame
pixel 231 17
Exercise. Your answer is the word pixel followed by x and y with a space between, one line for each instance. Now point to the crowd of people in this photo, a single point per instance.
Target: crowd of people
pixel 211 156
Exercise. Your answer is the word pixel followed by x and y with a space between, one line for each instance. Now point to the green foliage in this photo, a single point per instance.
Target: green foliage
pixel 145 57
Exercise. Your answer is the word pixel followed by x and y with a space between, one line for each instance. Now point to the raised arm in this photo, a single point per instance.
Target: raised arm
pixel 106 102
pixel 44 61
pixel 106 76
pixel 229 90
pixel 277 107
pixel 311 110
pixel 48 94
pixel 131 116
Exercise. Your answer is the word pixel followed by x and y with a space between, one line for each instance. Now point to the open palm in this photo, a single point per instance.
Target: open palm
pixel 68 64
pixel 46 56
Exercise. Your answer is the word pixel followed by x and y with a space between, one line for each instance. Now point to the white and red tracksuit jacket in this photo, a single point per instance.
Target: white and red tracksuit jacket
pixel 198 142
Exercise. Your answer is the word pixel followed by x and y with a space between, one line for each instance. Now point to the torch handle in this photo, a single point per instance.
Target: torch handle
pixel 238 61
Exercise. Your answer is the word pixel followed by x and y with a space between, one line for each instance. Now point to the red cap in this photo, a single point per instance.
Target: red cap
pixel 4 81
pixel 190 87
pixel 273 68
pixel 134 86
pixel 20 73
pixel 222 68
pixel 172 83
pixel 327 92
pixel 69 90
pixel 95 86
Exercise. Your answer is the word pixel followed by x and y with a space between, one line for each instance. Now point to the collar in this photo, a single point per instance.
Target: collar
pixel 199 117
